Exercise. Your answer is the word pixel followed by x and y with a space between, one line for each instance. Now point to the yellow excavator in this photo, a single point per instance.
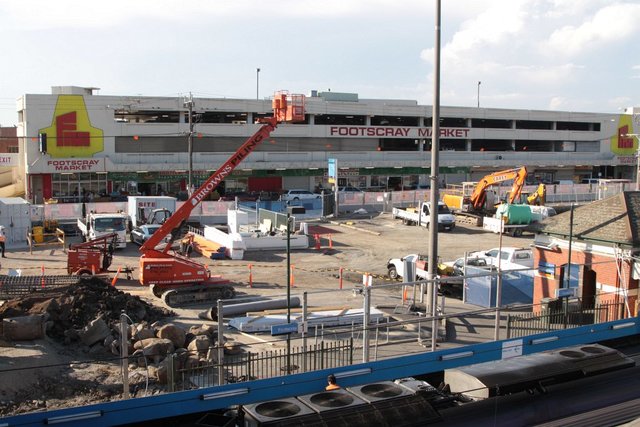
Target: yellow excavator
pixel 477 203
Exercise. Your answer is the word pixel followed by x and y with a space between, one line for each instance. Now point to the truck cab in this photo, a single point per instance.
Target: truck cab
pixel 97 225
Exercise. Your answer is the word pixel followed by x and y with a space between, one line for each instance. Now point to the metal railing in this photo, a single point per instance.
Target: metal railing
pixel 559 316
pixel 250 366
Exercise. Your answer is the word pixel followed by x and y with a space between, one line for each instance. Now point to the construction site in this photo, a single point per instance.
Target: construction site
pixel 146 305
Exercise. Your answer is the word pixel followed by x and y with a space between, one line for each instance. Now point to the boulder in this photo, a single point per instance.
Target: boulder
pixel 203 329
pixel 162 373
pixel 173 333
pixel 96 330
pixel 155 347
pixel 200 344
pixel 192 361
pixel 24 328
pixel 144 334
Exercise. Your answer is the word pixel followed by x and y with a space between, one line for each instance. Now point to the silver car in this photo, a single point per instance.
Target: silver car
pixel 140 234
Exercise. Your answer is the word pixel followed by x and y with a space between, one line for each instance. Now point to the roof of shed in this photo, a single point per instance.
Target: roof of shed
pixel 615 220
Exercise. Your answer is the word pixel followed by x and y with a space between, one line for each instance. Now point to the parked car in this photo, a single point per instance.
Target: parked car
pixel 140 234
pixel 511 258
pixel 291 195
pixel 349 189
pixel 458 265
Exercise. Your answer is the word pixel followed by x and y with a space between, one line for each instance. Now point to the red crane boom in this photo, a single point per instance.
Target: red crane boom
pixel 171 271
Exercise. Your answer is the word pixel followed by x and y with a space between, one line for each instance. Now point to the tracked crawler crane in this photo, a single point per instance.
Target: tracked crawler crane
pixel 176 278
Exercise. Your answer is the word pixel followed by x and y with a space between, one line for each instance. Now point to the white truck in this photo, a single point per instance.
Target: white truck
pixel 497 225
pixel 99 224
pixel 446 220
pixel 511 258
pixel 395 266
pixel 150 209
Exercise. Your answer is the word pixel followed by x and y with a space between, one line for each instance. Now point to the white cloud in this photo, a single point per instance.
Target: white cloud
pixel 613 23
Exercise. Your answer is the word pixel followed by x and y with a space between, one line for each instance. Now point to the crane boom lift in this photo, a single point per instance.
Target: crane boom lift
pixel 176 278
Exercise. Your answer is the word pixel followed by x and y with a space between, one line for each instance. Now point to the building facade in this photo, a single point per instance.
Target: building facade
pixel 75 142
pixel 594 252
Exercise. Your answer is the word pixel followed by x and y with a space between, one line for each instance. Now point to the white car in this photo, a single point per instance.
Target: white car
pixel 142 233
pixel 291 195
pixel 510 257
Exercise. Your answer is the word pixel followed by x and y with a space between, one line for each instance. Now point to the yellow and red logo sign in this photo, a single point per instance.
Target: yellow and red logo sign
pixel 71 133
pixel 622 144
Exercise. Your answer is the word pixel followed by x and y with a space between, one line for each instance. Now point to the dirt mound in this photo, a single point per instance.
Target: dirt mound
pixel 74 306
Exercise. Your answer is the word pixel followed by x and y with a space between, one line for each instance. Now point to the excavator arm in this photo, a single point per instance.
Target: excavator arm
pixel 539 196
pixel 479 194
pixel 518 183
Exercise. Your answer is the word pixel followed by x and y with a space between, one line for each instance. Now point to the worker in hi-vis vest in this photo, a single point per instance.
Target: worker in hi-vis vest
pixel 331 383
pixel 3 238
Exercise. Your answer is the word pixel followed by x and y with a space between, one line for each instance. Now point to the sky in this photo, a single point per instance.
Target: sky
pixel 568 55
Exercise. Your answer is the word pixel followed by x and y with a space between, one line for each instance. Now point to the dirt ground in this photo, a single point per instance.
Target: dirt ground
pixel 357 244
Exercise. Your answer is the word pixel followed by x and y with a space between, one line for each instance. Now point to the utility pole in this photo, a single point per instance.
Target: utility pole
pixel 432 287
pixel 189 105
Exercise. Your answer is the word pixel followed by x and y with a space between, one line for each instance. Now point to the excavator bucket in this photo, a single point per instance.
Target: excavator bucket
pixel 288 108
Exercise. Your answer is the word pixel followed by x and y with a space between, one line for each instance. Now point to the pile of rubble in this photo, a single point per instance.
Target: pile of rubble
pixel 85 318
pixel 72 308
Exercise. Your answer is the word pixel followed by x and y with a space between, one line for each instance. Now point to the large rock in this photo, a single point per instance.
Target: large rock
pixel 200 344
pixel 96 330
pixel 207 330
pixel 24 328
pixel 173 333
pixel 162 373
pixel 154 347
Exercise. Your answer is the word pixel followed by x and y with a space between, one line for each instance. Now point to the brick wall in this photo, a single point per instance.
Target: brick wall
pixel 608 277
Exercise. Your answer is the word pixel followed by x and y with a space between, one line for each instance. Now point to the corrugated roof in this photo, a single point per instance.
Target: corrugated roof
pixel 614 220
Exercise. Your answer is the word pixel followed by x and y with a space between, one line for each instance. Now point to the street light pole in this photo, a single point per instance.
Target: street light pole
pixel 479 93
pixel 257 83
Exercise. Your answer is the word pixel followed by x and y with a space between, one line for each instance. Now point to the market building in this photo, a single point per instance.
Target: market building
pixel 74 142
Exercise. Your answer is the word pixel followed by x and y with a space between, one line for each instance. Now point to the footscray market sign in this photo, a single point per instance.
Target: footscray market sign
pixel 76 165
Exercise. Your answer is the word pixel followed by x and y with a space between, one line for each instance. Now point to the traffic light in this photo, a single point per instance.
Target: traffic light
pixel 42 142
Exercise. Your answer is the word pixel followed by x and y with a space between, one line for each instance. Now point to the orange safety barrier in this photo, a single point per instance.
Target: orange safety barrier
pixel 42 280
pixel 250 276
pixel 341 270
pixel 115 278
pixel 93 270
pixel 317 237
pixel 291 281
pixel 330 242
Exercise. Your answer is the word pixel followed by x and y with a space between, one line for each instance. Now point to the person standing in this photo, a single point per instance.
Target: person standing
pixel 3 238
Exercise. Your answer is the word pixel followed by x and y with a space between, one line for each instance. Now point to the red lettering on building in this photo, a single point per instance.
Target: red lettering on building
pixel 67 134
pixel 624 141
